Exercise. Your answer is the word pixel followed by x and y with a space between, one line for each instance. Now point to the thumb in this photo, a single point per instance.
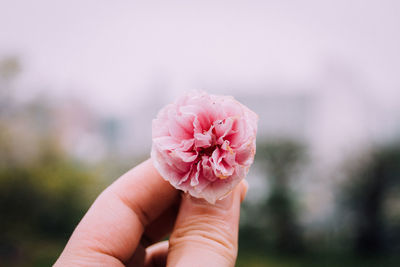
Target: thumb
pixel 207 234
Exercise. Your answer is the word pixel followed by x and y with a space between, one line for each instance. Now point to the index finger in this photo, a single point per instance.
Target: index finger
pixel 111 229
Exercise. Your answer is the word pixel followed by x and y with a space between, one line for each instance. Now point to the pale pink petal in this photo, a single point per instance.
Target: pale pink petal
pixel 203 140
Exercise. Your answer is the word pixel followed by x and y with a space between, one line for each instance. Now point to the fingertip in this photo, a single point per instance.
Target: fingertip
pixel 156 255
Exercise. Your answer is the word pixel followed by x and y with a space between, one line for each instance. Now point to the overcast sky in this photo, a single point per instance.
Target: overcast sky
pixel 112 51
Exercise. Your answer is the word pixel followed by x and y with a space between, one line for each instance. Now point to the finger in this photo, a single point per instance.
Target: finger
pixel 111 229
pixel 156 255
pixel 206 234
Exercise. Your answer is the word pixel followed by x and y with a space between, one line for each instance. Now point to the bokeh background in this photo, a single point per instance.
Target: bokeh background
pixel 80 82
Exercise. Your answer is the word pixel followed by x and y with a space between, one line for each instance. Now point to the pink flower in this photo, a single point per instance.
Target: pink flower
pixel 204 144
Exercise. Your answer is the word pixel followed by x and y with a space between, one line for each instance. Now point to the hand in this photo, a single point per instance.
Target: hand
pixel 122 226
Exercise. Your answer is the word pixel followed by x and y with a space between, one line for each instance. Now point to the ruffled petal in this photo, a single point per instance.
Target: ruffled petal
pixel 204 144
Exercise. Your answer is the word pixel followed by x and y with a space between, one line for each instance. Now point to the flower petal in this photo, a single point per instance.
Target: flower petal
pixel 204 144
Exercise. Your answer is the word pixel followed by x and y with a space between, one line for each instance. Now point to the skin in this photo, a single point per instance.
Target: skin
pixel 124 225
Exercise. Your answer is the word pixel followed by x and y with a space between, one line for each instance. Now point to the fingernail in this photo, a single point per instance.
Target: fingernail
pixel 224 203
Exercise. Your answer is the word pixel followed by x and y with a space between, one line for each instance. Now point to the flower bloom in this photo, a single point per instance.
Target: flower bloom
pixel 204 144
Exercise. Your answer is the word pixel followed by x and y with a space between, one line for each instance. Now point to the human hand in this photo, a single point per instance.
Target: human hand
pixel 122 226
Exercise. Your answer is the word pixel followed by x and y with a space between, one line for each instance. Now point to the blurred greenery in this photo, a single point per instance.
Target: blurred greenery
pixel 44 192
pixel 251 259
pixel 368 205
pixel 41 201
pixel 371 198
pixel 276 228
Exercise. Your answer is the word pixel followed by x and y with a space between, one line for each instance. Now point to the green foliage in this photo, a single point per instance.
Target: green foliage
pixel 254 259
pixel 44 192
pixel 281 157
pixel 276 228
pixel 40 204
pixel 372 188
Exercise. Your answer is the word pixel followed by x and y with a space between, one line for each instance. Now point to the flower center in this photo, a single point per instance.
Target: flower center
pixel 207 151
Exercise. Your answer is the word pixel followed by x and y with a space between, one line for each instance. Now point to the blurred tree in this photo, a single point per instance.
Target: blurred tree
pixel 43 191
pixel 365 196
pixel 280 160
pixel 10 68
pixel 41 202
pixel 274 221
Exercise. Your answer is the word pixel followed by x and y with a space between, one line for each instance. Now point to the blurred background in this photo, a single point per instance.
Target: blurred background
pixel 80 82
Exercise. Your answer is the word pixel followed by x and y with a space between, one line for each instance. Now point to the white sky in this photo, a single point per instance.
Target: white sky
pixel 110 52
